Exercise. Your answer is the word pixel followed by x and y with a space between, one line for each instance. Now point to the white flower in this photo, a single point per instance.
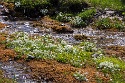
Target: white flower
pixel 17 4
pixel 44 11
pixel 63 42
pixel 68 47
pixel 109 65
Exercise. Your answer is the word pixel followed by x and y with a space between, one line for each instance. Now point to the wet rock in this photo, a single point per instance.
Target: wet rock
pixel 30 57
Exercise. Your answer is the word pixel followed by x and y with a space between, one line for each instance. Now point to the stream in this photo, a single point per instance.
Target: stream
pixel 19 71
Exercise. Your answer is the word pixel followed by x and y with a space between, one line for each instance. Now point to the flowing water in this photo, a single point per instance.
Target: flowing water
pixel 14 70
pixel 19 71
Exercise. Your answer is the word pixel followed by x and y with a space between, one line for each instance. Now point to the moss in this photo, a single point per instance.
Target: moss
pixel 2 25
pixel 56 26
pixel 80 37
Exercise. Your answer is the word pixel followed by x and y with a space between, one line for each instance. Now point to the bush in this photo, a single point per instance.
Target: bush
pixel 107 23
pixel 72 5
pixel 64 17
pixel 77 22
pixel 87 14
pixel 112 4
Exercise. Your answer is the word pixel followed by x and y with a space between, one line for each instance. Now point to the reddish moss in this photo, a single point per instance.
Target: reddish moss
pixel 118 51
pixel 5 54
pixel 9 6
pixel 62 73
pixel 2 25
pixel 56 26
pixel 80 37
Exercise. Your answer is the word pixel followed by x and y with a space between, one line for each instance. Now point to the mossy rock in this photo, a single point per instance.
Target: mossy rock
pixel 80 37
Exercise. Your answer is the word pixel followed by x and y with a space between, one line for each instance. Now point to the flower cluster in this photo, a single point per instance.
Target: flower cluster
pixel 81 77
pixel 90 47
pixel 47 47
pixel 44 11
pixel 17 4
pixel 77 21
pixel 64 17
pixel 109 65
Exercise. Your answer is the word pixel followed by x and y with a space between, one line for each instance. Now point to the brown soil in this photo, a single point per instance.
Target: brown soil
pixel 53 24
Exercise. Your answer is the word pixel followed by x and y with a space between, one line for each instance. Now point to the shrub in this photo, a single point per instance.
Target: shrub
pixel 87 14
pixel 77 22
pixel 64 17
pixel 112 4
pixel 107 23
pixel 72 5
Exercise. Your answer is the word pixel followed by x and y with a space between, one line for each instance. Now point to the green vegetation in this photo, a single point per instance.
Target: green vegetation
pixel 64 17
pixel 87 14
pixel 112 4
pixel 113 66
pixel 108 23
pixel 47 47
pixel 79 13
pixel 77 22
pixel 76 4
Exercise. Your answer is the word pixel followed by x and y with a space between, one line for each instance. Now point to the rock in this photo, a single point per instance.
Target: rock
pixel 30 57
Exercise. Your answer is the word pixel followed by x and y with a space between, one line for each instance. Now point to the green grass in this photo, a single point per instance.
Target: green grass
pixel 112 4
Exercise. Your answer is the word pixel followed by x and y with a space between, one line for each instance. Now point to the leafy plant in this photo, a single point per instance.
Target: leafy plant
pixel 64 17
pixel 112 66
pixel 87 14
pixel 88 46
pixel 112 4
pixel 77 22
pixel 45 47
pixel 107 23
